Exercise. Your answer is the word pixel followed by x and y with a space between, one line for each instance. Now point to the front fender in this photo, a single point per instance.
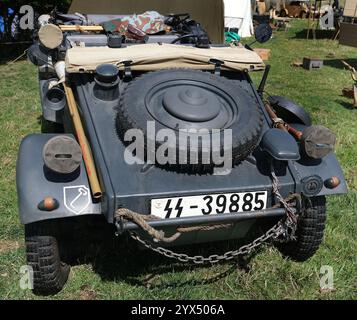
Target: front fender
pixel 324 168
pixel 35 183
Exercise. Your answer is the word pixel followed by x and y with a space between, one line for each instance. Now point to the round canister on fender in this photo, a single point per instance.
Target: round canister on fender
pixel 62 154
pixel 318 142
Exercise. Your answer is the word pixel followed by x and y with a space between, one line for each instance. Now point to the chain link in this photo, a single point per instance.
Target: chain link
pixel 283 231
pixel 274 233
pixel 291 221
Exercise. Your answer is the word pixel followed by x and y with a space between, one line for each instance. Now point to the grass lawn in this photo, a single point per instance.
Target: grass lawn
pixel 267 275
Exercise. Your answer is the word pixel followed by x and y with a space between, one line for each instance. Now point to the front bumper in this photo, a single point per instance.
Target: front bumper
pixel 205 220
pixel 226 227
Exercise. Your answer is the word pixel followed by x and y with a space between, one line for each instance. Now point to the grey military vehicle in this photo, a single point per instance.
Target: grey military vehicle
pixel 128 109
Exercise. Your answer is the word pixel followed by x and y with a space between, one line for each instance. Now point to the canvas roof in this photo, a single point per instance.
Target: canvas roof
pixel 151 57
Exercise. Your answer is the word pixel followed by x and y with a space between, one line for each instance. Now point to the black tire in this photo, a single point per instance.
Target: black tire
pixel 147 98
pixel 50 274
pixel 310 232
pixel 51 127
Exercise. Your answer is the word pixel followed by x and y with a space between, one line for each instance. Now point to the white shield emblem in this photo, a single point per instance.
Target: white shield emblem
pixel 76 199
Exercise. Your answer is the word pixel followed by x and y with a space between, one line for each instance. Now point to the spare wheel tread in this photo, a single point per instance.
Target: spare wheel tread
pixel 244 141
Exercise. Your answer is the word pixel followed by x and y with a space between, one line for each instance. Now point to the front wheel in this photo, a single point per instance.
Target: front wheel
pixel 50 274
pixel 310 231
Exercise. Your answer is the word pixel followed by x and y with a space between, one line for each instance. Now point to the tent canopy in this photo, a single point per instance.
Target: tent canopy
pixel 210 13
pixel 350 8
pixel 238 14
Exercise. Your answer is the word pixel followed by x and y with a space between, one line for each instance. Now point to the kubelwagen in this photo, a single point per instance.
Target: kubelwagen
pixel 153 123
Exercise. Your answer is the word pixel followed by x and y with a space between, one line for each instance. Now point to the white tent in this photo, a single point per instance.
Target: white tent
pixel 238 14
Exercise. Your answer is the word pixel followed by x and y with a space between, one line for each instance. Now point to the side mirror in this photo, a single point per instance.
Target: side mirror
pixel 263 33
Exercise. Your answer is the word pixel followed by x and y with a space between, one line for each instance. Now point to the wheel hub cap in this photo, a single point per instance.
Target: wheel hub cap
pixel 191 104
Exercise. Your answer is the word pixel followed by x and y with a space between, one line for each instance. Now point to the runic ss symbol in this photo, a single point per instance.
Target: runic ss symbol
pixel 169 209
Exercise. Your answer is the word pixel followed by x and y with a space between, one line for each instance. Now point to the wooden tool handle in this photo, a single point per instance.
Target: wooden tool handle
pixel 275 118
pixel 296 133
pixel 270 111
pixel 83 142
pixel 81 28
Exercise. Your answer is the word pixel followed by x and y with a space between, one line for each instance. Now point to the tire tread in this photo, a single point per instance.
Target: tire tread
pixel 50 274
pixel 310 231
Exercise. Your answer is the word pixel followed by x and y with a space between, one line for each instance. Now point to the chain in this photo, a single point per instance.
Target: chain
pixel 291 220
pixel 274 233
pixel 283 231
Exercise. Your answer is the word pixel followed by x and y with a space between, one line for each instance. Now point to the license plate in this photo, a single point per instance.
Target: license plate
pixel 209 204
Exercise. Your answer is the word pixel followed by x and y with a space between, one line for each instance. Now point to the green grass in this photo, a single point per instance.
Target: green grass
pixel 268 276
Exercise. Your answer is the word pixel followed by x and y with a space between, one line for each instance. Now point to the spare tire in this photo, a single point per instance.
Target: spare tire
pixel 184 100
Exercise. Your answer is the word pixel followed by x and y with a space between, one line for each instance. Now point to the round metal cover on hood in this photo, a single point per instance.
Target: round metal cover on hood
pixel 107 73
pixel 190 103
